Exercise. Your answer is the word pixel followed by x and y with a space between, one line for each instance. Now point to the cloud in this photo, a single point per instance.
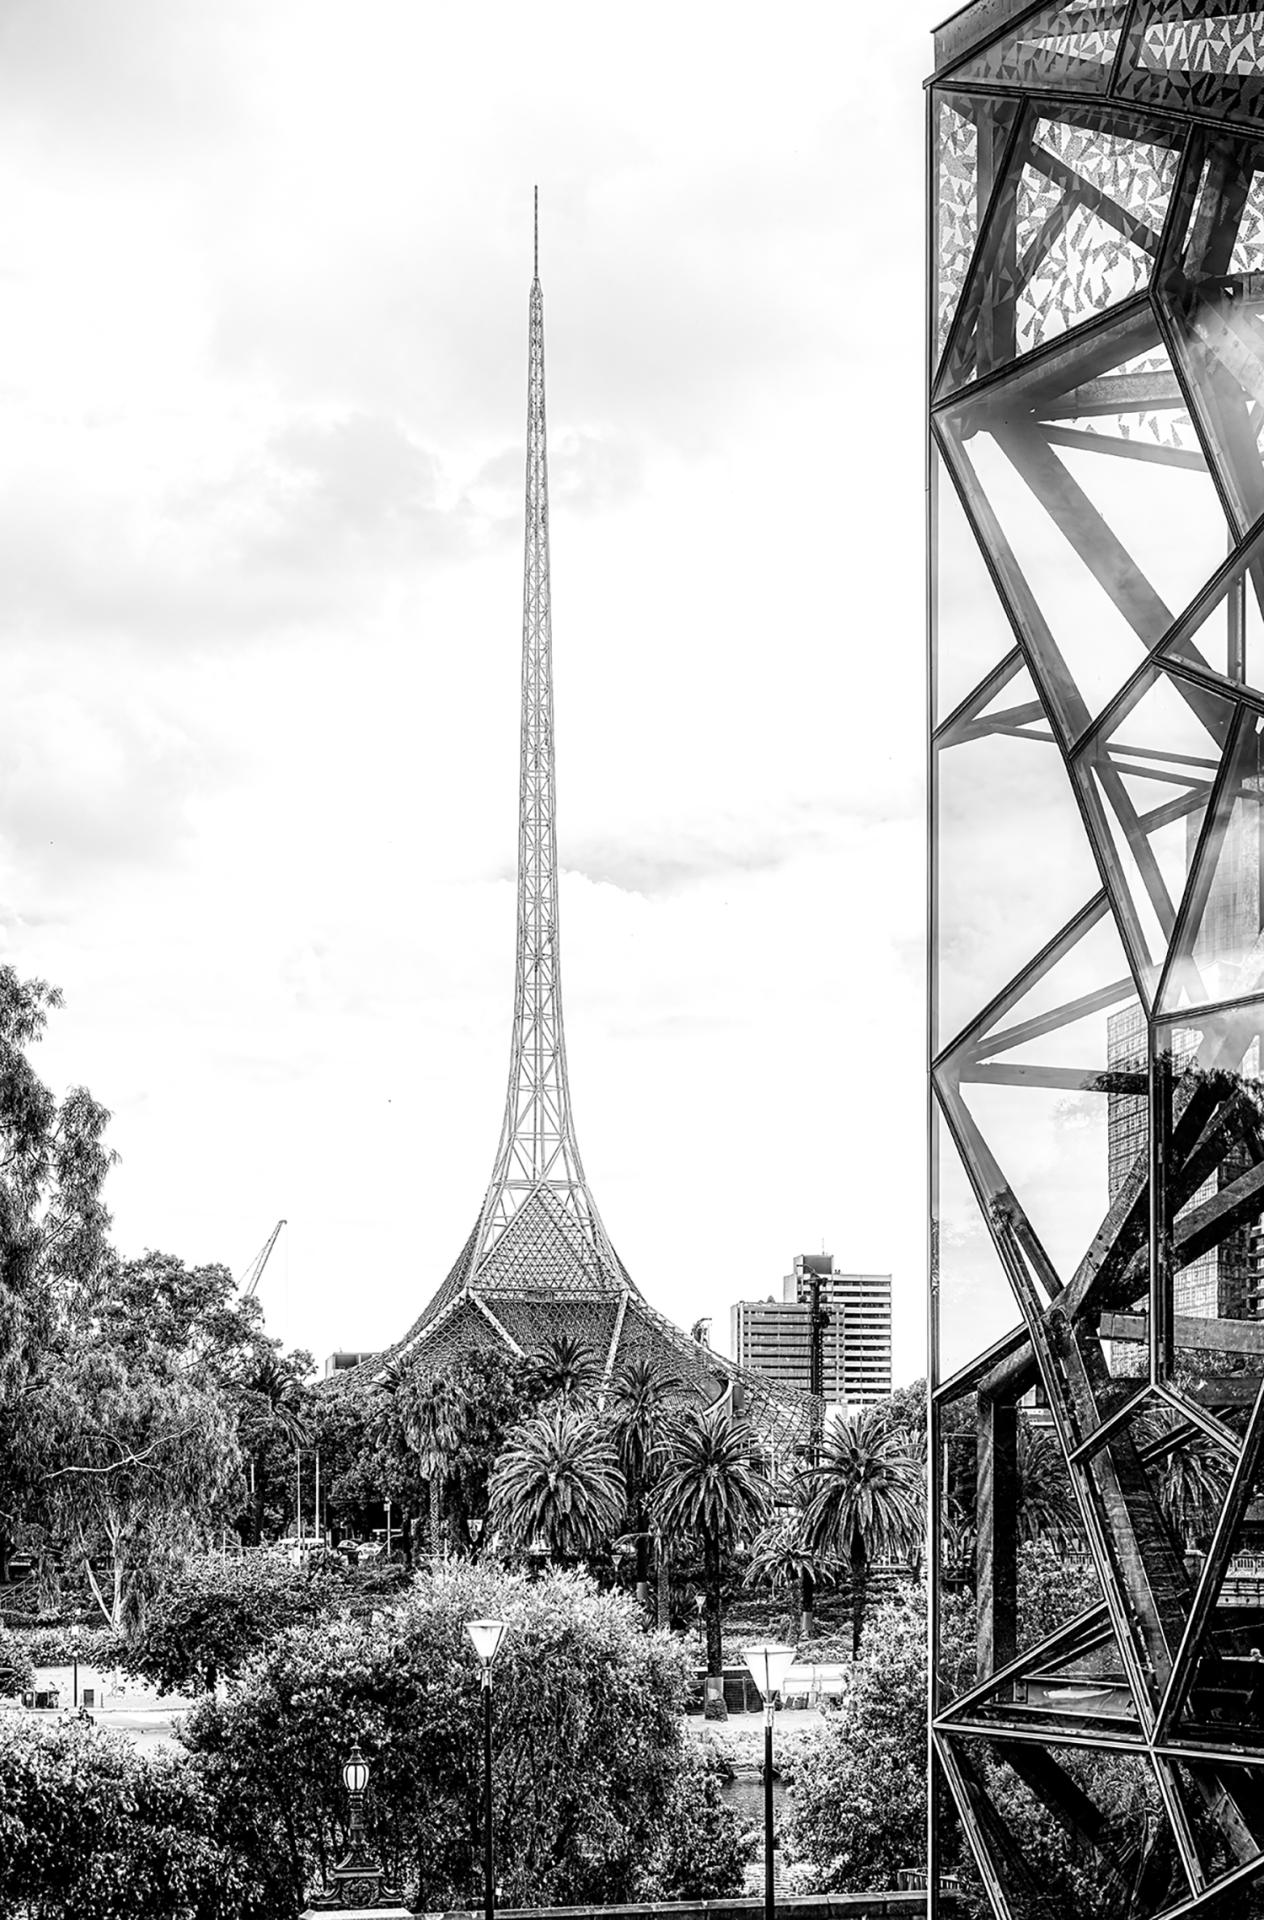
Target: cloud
pixel 660 859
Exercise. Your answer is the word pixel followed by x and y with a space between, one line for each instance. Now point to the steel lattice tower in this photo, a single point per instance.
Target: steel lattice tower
pixel 539 1263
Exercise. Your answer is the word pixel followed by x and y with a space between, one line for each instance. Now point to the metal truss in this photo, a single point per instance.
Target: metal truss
pixel 539 1262
pixel 1096 450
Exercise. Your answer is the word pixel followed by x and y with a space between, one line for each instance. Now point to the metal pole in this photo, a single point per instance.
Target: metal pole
pixel 489 1887
pixel 298 1495
pixel 316 1517
pixel 75 1655
pixel 770 1898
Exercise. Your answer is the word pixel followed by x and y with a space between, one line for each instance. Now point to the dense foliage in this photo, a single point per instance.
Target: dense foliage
pixel 213 1615
pixel 91 1829
pixel 592 1777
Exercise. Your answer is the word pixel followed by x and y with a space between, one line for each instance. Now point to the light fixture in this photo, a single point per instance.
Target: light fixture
pixel 768 1666
pixel 485 1637
pixel 355 1773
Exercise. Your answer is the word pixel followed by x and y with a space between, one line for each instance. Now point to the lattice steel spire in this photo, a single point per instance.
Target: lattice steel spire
pixel 538 1148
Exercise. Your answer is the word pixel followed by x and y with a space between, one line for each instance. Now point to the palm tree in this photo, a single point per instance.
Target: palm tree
pixel 640 1396
pixel 432 1414
pixel 865 1504
pixel 568 1369
pixel 558 1480
pixel 781 1558
pixel 710 1491
pixel 278 1410
pixel 1046 1503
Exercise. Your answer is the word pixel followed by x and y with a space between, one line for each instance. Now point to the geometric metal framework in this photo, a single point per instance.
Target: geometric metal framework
pixel 539 1263
pixel 1096 479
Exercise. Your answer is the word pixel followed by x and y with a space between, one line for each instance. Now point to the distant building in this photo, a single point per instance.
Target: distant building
pixel 343 1362
pixel 773 1336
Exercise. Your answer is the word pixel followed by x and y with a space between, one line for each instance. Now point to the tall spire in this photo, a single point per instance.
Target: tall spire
pixel 538 1148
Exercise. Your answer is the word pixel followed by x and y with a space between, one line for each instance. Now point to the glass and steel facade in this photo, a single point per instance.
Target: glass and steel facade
pixel 1096 511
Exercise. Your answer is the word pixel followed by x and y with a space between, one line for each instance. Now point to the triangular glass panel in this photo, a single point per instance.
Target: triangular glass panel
pixel 1197 58
pixel 1062 1835
pixel 1224 1807
pixel 1224 1699
pixel 1006 703
pixel 1057 1087
pixel 1212 1202
pixel 1013 865
pixel 1153 1478
pixel 1069 45
pixel 977 1306
pixel 1219 951
pixel 972 634
pixel 970 137
pixel 1074 230
pixel 1228 641
pixel 1085 1682
pixel 1096 510
pixel 1212 298
pixel 1146 781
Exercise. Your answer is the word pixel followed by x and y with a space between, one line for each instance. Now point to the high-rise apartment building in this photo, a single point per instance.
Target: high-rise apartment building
pixel 773 1337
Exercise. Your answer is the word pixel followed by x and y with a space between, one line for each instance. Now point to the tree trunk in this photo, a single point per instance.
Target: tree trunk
pixel 715 1645
pixel 436 1516
pixel 859 1583
pixel 642 1560
pixel 256 1518
pixel 807 1605
pixel 664 1583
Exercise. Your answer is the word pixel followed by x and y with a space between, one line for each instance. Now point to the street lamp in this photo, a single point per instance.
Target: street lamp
pixel 75 1631
pixel 358 1877
pixel 485 1637
pixel 768 1666
pixel 700 1602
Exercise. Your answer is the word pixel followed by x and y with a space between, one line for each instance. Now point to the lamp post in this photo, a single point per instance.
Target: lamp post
pixel 359 1878
pixel 75 1631
pixel 768 1666
pixel 485 1637
pixel 700 1602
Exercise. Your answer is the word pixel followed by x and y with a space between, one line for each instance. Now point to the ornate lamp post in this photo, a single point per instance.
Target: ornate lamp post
pixel 486 1636
pixel 359 1877
pixel 768 1667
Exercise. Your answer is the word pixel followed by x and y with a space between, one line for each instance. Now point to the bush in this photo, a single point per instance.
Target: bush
pixel 857 1806
pixel 700 1852
pixel 211 1618
pixel 590 1770
pixel 53 1647
pixel 15 1666
pixel 90 1830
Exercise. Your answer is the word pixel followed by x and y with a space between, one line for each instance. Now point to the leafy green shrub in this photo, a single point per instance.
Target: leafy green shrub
pixel 214 1615
pixel 590 1752
pixel 91 1830
pixel 857 1808
pixel 15 1665
pixel 53 1647
pixel 700 1852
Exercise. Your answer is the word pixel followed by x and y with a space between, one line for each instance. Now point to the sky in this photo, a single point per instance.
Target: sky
pixel 263 335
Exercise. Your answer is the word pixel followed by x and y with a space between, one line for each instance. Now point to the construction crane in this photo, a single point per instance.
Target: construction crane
pixel 254 1272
